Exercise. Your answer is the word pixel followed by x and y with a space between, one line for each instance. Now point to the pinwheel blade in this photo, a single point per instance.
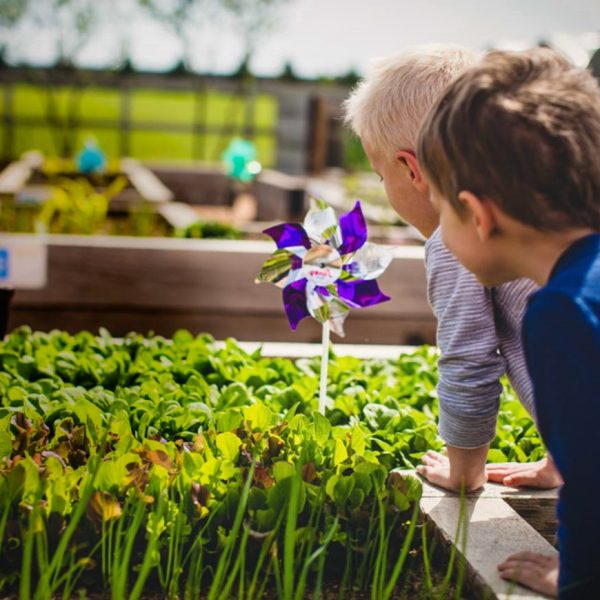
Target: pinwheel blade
pixel 359 294
pixel 294 302
pixel 369 262
pixel 281 268
pixel 322 227
pixel 289 236
pixel 324 306
pixel 338 312
pixel 353 228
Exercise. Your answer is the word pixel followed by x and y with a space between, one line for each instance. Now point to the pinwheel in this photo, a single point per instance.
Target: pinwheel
pixel 325 268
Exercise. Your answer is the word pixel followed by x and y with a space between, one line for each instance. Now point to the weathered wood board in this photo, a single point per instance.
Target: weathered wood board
pixel 163 284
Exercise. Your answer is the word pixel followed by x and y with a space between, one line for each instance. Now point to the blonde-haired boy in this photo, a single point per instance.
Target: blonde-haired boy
pixel 478 327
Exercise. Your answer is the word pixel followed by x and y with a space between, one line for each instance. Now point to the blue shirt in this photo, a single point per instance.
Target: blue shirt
pixel 561 334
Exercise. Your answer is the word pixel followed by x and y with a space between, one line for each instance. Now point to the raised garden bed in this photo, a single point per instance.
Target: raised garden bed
pixel 129 194
pixel 143 467
pixel 162 285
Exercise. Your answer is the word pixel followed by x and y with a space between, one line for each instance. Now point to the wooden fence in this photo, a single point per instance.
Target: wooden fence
pixel 167 117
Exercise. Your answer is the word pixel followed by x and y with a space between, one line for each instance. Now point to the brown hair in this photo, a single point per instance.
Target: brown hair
pixel 522 129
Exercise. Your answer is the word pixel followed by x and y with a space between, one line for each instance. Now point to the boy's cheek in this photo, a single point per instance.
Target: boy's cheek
pixel 460 242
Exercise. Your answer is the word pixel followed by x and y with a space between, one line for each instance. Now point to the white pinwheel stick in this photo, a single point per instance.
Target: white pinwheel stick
pixel 324 366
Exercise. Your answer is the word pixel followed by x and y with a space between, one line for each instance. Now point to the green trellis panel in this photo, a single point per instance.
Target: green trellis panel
pixel 171 125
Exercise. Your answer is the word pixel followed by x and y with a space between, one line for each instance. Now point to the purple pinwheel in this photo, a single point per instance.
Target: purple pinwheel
pixel 325 268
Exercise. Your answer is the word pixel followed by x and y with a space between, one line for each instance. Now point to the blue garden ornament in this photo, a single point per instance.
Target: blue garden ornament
pixel 240 160
pixel 91 159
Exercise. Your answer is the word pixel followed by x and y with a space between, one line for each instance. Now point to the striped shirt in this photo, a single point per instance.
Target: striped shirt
pixel 479 336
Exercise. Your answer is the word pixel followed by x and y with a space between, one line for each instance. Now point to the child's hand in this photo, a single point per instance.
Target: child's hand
pixel 536 571
pixel 466 472
pixel 542 474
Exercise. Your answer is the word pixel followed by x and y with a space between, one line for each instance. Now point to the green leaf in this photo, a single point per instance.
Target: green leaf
pixel 5 438
pixel 257 499
pixel 496 456
pixel 229 419
pixel 356 498
pixel 229 445
pixel 322 428
pixel 282 469
pixel 340 453
pixel 259 416
pixel 278 496
pixel 358 441
pixel 342 489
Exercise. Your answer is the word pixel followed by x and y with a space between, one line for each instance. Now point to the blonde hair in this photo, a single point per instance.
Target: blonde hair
pixel 387 108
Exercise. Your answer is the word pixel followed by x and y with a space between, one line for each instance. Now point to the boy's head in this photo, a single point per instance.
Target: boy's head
pixel 386 111
pixel 518 134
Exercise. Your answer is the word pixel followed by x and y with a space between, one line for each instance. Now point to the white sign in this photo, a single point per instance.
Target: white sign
pixel 23 262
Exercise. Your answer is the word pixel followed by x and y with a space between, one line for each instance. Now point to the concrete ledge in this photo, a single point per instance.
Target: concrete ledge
pixel 494 530
pixel 299 350
pixel 493 490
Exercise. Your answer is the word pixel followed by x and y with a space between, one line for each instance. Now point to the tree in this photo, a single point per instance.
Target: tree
pixel 182 17
pixel 252 19
pixel 71 23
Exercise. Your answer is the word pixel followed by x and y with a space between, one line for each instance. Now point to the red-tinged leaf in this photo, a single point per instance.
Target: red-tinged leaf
pixel 160 458
pixel 262 477
pixel 103 506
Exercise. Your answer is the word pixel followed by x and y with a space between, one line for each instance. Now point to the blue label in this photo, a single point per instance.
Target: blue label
pixel 4 263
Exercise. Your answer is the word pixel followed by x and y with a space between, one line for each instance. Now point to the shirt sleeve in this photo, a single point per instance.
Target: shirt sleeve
pixel 562 347
pixel 470 364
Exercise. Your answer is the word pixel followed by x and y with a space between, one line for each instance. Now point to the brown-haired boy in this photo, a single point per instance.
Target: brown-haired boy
pixel 512 155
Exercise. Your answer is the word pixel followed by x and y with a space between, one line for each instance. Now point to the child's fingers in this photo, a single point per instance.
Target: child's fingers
pixel 437 456
pixel 535 571
pixel 528 556
pixel 524 479
pixel 497 474
pixel 506 467
pixel 423 470
pixel 431 461
pixel 526 574
pixel 496 478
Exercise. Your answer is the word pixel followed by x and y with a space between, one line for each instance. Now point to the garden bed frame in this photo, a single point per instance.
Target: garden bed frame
pixel 501 521
pixel 161 285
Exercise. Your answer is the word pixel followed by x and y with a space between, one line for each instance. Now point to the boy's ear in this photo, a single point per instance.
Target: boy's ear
pixel 410 162
pixel 480 212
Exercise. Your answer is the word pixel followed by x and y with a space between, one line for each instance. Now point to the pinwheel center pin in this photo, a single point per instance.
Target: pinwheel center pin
pixel 322 265
pixel 325 267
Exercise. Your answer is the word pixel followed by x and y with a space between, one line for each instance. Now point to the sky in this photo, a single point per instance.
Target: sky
pixel 331 37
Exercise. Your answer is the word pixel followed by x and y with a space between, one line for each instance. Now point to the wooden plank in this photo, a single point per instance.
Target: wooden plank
pixel 539 512
pixel 196 274
pixel 280 196
pixel 245 325
pixel 164 284
pixel 14 177
pixel 145 181
pixel 178 214
pixel 200 185
pixel 318 131
pixel 282 180
pixel 494 531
